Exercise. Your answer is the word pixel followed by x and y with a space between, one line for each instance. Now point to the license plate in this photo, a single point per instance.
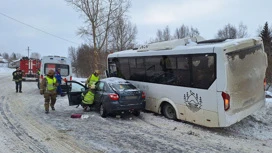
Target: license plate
pixel 131 97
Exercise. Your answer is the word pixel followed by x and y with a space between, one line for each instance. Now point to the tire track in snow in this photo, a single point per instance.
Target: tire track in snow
pixel 17 130
pixel 20 117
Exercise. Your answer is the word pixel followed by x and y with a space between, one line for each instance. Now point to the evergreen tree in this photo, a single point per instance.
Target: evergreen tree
pixel 266 36
pixel 13 56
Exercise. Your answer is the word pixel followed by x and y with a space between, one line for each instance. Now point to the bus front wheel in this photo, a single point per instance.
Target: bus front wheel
pixel 169 111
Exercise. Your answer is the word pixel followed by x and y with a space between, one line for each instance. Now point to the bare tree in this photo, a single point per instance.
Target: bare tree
pixel 100 16
pixel 242 31
pixel 194 32
pixel 181 32
pixel 166 34
pixel 159 36
pixel 229 31
pixel 5 56
pixel 123 35
pixel 163 35
pixel 72 54
pixel 185 31
pixel 18 55
pixel 12 57
pixel 84 60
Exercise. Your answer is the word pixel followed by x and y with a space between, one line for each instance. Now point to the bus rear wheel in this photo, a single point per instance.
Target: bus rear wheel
pixel 169 111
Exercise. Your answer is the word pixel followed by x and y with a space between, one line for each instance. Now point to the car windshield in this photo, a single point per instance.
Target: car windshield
pixel 124 86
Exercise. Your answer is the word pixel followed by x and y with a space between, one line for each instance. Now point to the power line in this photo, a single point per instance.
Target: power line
pixel 36 28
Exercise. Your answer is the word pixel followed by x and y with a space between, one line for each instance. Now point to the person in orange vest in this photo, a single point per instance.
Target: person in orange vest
pixel 49 89
pixel 93 79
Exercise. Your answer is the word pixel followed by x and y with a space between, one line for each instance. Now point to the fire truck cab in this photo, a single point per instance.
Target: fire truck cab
pixel 54 63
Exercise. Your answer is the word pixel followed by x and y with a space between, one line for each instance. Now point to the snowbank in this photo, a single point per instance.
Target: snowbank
pixel 4 69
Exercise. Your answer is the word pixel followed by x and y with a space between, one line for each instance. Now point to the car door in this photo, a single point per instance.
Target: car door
pixel 74 92
pixel 99 91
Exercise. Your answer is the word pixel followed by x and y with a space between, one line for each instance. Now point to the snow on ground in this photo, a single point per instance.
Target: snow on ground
pixel 4 69
pixel 147 133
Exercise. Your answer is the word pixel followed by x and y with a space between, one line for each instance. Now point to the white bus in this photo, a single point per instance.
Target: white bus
pixel 53 63
pixel 214 83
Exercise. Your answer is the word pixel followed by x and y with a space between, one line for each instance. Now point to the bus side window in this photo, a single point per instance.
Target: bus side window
pixel 113 63
pixel 123 68
pixel 137 69
pixel 154 71
pixel 203 71
pixel 183 71
pixel 112 68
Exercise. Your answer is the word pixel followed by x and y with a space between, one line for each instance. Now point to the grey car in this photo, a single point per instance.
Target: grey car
pixel 112 95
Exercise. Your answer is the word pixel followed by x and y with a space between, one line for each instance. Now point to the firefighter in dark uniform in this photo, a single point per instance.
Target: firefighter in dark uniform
pixel 48 88
pixel 17 77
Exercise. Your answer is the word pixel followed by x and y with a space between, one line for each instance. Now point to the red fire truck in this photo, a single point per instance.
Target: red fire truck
pixel 30 68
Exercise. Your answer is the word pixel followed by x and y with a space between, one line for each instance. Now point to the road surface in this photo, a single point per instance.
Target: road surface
pixel 24 127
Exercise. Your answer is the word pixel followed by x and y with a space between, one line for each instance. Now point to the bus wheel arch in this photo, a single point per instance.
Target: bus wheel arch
pixel 168 110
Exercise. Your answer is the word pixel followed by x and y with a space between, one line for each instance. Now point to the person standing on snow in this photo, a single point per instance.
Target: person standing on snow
pixel 17 77
pixel 48 88
pixel 88 98
pixel 93 79
pixel 59 79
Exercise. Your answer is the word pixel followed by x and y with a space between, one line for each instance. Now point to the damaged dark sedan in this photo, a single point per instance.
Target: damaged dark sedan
pixel 112 96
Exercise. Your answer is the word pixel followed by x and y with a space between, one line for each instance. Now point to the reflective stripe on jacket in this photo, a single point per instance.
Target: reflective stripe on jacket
pixel 93 80
pixel 17 75
pixel 88 98
pixel 51 83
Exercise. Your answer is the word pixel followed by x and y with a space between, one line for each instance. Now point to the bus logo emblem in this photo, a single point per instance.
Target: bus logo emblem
pixel 192 101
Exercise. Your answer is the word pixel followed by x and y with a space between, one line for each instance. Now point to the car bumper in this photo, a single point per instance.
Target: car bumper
pixel 117 107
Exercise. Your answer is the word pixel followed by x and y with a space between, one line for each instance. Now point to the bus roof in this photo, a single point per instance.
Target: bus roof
pixel 225 43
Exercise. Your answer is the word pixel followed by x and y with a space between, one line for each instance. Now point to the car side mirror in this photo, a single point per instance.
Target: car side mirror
pixel 83 89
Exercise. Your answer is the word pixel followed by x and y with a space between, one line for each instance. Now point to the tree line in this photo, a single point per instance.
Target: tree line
pixel 11 57
pixel 107 28
pixel 16 56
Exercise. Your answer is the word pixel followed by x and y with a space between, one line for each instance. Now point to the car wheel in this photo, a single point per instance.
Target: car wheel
pixel 169 111
pixel 136 113
pixel 102 111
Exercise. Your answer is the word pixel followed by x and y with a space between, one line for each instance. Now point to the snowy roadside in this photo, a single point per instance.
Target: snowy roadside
pixel 5 70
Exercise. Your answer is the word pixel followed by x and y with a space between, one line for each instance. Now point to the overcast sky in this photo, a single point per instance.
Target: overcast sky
pixel 58 18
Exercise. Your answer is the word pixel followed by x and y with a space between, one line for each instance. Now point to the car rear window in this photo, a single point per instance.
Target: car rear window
pixel 120 87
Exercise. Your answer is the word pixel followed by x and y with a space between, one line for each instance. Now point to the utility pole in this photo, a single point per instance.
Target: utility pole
pixel 28 51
